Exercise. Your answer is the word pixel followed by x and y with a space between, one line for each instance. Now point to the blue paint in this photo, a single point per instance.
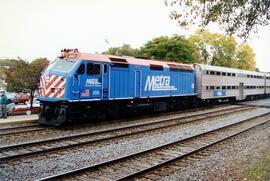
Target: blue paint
pixel 132 81
pixel 219 93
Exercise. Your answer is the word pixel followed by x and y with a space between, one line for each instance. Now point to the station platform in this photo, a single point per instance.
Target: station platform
pixel 19 119
pixel 261 103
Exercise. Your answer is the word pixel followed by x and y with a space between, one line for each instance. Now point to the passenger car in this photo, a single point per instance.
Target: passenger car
pixel 214 82
pixel 26 108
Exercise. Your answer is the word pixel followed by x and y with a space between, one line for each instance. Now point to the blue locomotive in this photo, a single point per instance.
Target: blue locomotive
pixel 82 85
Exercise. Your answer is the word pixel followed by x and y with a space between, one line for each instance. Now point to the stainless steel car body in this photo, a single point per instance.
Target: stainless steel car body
pixel 214 82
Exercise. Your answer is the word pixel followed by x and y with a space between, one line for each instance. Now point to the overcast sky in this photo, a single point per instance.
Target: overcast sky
pixel 41 28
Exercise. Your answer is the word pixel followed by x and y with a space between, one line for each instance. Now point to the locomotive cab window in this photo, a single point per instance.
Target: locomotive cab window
pixel 93 69
pixel 81 69
pixel 96 69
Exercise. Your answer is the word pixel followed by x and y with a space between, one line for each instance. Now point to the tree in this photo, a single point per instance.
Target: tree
pixel 240 17
pixel 125 49
pixel 5 64
pixel 24 76
pixel 176 48
pixel 221 50
pixel 245 57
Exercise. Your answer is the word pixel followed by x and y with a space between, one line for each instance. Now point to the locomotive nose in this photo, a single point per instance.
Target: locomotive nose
pixel 52 86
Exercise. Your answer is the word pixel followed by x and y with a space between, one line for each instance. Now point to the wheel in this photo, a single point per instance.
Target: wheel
pixel 28 112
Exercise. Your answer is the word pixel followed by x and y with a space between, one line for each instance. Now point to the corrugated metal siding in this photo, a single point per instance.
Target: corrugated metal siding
pixel 123 82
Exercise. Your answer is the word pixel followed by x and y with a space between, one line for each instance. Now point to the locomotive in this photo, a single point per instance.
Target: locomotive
pixel 82 85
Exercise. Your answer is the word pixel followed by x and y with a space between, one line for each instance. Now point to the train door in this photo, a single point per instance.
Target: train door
pixel 241 91
pixel 137 84
pixel 105 82
pixel 76 81
pixel 92 85
pixel 265 84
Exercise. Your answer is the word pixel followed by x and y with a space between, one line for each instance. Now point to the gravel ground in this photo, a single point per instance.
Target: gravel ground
pixel 30 169
pixel 229 162
pixel 58 133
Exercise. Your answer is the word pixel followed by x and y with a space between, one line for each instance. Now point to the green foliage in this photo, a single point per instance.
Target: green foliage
pixel 24 76
pixel 245 57
pixel 5 64
pixel 123 50
pixel 176 48
pixel 221 50
pixel 202 47
pixel 235 17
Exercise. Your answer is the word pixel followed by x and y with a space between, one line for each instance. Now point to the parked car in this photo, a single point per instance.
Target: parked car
pixel 11 96
pixel 22 99
pixel 26 108
pixel 10 106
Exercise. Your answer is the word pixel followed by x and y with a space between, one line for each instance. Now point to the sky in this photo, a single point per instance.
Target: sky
pixel 31 29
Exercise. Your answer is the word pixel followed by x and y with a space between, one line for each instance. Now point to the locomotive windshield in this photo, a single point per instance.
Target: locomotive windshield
pixel 61 65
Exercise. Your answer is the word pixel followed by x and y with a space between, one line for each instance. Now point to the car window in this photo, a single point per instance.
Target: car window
pixel 9 101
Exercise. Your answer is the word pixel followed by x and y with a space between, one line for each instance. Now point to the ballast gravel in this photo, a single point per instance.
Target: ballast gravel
pixel 29 169
pixel 229 162
pixel 93 127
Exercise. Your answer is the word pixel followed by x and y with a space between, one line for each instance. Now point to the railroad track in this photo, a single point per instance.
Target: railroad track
pixel 138 164
pixel 20 129
pixel 19 151
pixel 30 130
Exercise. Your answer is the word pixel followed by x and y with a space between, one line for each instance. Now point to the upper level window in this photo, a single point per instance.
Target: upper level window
pixel 81 69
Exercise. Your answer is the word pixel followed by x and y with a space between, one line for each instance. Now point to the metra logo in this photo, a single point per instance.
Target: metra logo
pixel 92 82
pixel 158 83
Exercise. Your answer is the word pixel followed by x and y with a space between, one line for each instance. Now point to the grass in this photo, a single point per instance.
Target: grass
pixel 260 171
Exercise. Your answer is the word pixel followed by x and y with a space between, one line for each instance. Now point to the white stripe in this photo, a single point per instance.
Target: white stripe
pixel 53 84
pixel 61 85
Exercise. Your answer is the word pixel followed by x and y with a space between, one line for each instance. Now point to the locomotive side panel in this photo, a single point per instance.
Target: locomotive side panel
pixel 121 83
pixel 167 83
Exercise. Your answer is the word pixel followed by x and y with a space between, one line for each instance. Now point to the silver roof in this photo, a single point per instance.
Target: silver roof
pixel 230 70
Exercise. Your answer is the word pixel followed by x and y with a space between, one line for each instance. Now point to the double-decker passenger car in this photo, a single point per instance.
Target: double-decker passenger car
pixel 267 83
pixel 214 82
pixel 78 85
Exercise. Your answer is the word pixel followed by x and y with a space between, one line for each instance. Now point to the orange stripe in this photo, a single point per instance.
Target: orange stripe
pixel 57 84
pixel 51 82
pixel 49 93
pixel 55 95
pixel 63 96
